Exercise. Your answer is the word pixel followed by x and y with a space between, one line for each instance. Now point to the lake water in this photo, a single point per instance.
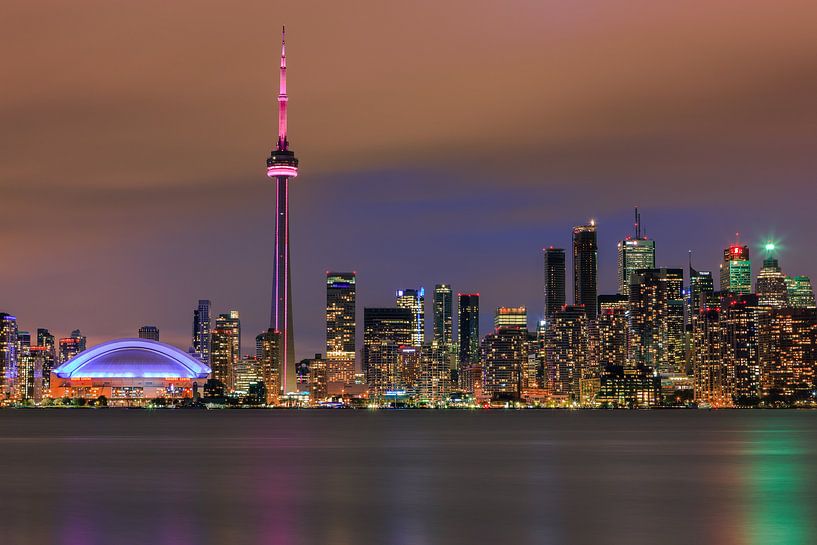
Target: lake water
pixel 87 477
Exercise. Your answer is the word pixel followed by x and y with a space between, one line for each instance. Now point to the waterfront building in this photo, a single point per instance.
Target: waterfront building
pixel 434 383
pixel 201 331
pixel 247 372
pixel 736 270
pixel 268 354
pixel 341 305
pixel 9 355
pixel 566 353
pixel 787 348
pixel 225 348
pixel 634 253
pixel 385 332
pixel 504 353
pixel 415 301
pixel 713 375
pixel 318 376
pixel 129 372
pixel 611 332
pixel 554 284
pixel 585 268
pixel 468 328
pixel 739 319
pixel 149 332
pixel 657 320
pixel 631 388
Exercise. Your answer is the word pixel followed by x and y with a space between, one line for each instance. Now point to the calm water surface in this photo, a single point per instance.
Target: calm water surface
pixel 86 477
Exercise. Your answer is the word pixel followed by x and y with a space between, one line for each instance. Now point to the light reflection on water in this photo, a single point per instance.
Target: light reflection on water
pixel 86 477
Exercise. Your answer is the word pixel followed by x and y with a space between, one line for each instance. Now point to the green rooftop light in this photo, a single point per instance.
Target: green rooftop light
pixel 770 246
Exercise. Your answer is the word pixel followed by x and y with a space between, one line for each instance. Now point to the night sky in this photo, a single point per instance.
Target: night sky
pixel 439 142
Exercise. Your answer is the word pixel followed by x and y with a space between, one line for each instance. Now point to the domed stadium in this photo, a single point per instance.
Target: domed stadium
pixel 129 372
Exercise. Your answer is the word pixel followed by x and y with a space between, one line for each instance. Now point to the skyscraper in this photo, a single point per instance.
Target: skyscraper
pixel 712 375
pixel 281 166
pixel 415 301
pixel 770 285
pixel 566 353
pixel 504 353
pixel 739 319
pixel 701 289
pixel 268 354
pixel 554 280
pixel 226 348
pixel 585 268
pixel 468 327
pixel 48 352
pixel 800 292
pixel 340 326
pixel 657 319
pixel 634 253
pixel 201 331
pixel 9 354
pixel 787 349
pixel 71 346
pixel 443 317
pixel 736 270
pixel 385 332
pixel 149 332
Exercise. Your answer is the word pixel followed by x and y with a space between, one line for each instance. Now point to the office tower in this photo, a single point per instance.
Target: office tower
pixel 515 317
pixel 712 374
pixel 268 354
pixel 504 353
pixel 9 354
pixel 281 166
pixel 247 372
pixel 566 353
pixel 150 332
pixel 800 292
pixel 443 317
pixel 318 376
pixel 25 387
pixel 468 327
pixel 340 326
pixel 47 350
pixel 385 331
pixel 415 301
pixel 71 346
pixel 554 280
pixel 739 318
pixel 701 288
pixel 225 348
pixel 787 348
pixel 634 253
pixel 770 285
pixel 201 331
pixel 657 319
pixel 612 326
pixel 736 270
pixel 42 363
pixel 585 265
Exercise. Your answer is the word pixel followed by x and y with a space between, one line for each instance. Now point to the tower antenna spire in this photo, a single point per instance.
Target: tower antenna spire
pixel 283 143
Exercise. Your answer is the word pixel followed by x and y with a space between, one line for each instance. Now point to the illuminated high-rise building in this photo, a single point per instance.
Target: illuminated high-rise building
pixel 787 348
pixel 566 353
pixel 515 317
pixel 434 382
pixel 226 348
pixel 28 377
pixel 415 301
pixel 71 346
pixel 554 280
pixel 281 166
pixel 634 253
pixel 657 319
pixel 770 285
pixel 736 270
pixel 585 268
pixel 340 326
pixel 150 332
pixel 47 350
pixel 504 353
pixel 713 377
pixel 800 292
pixel 9 354
pixel 201 331
pixel 443 317
pixel 612 327
pixel 701 289
pixel 385 332
pixel 468 328
pixel 268 354
pixel 246 372
pixel 738 320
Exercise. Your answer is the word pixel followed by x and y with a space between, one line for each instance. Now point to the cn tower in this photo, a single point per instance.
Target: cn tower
pixel 281 166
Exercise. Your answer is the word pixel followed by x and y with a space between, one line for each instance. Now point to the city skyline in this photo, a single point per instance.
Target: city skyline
pixel 107 256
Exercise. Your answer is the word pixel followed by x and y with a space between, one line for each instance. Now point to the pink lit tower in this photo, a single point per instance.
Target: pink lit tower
pixel 281 166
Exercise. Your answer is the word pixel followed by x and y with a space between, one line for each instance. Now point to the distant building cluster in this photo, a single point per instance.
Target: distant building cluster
pixel 664 339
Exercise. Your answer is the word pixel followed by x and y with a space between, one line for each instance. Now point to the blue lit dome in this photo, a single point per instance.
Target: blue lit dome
pixel 136 358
